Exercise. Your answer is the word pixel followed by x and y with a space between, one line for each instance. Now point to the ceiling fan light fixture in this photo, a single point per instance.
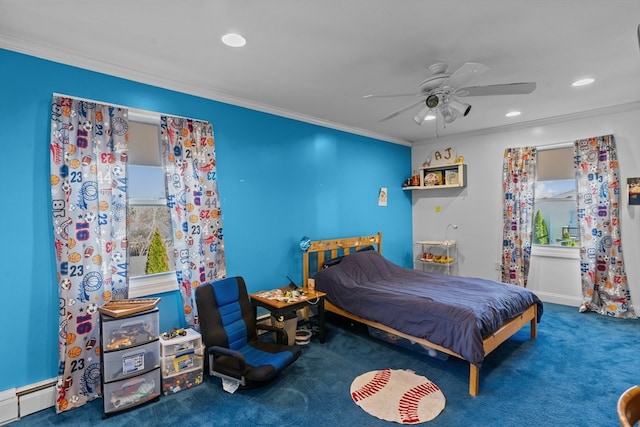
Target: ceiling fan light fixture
pixel 448 114
pixel 513 114
pixel 421 116
pixel 460 107
pixel 430 116
pixel 432 101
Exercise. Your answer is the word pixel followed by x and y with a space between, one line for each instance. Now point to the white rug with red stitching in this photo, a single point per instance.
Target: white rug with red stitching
pixel 400 396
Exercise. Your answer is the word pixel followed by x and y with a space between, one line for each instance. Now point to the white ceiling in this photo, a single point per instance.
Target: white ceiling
pixel 315 60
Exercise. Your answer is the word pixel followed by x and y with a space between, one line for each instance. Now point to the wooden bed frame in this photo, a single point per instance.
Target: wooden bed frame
pixel 328 249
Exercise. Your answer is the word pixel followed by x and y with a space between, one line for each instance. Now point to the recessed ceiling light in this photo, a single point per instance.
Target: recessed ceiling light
pixel 233 40
pixel 513 113
pixel 582 82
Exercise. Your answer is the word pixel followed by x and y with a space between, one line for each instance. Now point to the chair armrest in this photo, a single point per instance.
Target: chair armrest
pixel 281 331
pixel 216 351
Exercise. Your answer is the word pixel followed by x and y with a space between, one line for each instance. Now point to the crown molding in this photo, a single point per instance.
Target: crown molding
pixel 66 57
pixel 56 54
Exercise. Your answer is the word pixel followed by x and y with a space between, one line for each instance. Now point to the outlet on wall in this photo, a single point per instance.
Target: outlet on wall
pixel 498 266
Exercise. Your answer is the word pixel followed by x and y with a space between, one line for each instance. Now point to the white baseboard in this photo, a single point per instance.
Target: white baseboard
pixel 559 299
pixel 20 402
pixel 8 406
pixel 36 397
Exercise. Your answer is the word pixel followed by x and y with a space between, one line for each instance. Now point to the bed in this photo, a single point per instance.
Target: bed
pixel 463 317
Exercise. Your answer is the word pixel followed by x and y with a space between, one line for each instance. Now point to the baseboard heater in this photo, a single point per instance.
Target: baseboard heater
pixel 20 402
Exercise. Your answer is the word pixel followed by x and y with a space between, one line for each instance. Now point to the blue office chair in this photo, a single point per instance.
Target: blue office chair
pixel 229 331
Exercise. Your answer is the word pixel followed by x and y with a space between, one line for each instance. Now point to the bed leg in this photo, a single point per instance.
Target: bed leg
pixel 474 379
pixel 534 326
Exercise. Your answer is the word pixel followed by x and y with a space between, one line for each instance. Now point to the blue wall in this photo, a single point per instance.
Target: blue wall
pixel 279 180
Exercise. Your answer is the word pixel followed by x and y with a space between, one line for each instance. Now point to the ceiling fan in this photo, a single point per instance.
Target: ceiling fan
pixel 441 91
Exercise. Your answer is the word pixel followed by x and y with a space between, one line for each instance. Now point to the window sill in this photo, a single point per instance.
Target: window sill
pixel 567 252
pixel 142 286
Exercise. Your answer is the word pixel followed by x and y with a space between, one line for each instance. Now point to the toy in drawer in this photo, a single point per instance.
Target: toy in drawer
pixel 188 340
pixel 128 362
pixel 184 361
pixel 181 381
pixel 127 393
pixel 127 332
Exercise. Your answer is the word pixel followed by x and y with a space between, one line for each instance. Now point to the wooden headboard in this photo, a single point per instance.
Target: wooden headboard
pixel 321 250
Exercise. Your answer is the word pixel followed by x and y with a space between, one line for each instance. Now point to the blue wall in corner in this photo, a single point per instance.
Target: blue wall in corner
pixel 279 179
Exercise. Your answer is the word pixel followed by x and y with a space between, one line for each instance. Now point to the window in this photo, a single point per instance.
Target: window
pixel 151 264
pixel 555 220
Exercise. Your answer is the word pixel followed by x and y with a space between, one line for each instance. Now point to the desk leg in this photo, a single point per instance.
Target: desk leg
pixel 321 320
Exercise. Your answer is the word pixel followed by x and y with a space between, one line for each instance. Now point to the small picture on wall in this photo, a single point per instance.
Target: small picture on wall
pixel 633 188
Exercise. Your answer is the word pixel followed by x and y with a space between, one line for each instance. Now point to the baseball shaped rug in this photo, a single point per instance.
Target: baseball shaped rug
pixel 400 396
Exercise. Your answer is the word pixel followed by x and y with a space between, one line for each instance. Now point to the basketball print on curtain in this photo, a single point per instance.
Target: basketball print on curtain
pixel 192 196
pixel 88 148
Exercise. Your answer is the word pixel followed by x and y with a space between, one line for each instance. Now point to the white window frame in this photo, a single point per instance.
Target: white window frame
pixel 141 286
pixel 555 251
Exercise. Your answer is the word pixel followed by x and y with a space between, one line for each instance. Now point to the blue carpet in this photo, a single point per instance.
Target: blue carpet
pixel 571 375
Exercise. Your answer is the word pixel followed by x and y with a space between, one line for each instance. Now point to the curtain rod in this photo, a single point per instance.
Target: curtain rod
pixel 554 145
pixel 566 144
pixel 136 114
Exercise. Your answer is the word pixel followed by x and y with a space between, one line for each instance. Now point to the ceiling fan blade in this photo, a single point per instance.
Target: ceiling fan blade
pixel 503 89
pixel 465 73
pixel 391 95
pixel 400 111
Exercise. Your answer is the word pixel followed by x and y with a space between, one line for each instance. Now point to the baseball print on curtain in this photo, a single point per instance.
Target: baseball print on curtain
pixel 88 148
pixel 604 281
pixel 189 161
pixel 518 180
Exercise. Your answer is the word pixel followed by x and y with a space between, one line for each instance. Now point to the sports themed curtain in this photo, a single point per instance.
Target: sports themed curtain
pixel 604 281
pixel 192 196
pixel 518 179
pixel 89 206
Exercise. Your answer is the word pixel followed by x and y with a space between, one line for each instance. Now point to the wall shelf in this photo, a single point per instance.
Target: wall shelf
pixel 441 177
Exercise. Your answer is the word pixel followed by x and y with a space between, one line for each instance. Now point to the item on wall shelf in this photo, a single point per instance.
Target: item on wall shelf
pixel 460 160
pixel 451 177
pixel 433 178
pixel 442 157
pixel 415 179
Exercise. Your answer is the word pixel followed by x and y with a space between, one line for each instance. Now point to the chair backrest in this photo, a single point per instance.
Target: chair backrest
pixel 226 315
pixel 629 407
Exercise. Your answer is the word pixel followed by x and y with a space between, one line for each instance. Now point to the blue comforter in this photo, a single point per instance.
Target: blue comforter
pixel 451 311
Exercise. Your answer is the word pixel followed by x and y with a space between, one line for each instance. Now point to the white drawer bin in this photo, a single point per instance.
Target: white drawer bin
pixel 192 340
pixel 131 361
pixel 185 360
pixel 129 331
pixel 127 393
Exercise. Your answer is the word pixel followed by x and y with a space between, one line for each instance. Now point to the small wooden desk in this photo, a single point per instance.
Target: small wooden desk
pixel 280 308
